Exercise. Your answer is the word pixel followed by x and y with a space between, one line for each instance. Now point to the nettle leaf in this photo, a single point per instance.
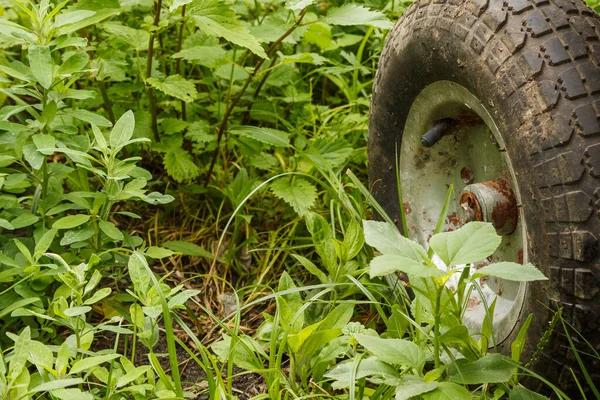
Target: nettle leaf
pixel 178 3
pixel 473 242
pixel 354 14
pixel 271 137
pixel 394 351
pixel 298 193
pixel 175 86
pixel 41 64
pixel 207 56
pixel 180 165
pixel 307 58
pixel 136 38
pixel 217 18
pixel 511 271
pixel 296 5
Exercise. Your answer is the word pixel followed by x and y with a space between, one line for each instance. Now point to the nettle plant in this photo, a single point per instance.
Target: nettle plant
pixel 432 353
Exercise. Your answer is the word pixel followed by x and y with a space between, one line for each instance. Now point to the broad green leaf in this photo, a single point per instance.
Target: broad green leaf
pixel 521 393
pixel 388 241
pixel 370 368
pixel 271 137
pixel 71 221
pixel 41 65
pixel 89 117
pixel 99 137
pixel 323 240
pixel 138 272
pixel 43 141
pixel 354 14
pixel 69 17
pixel 33 156
pixel 122 131
pixel 394 351
pixel 389 263
pixel 20 353
pixel 307 58
pixel 24 220
pixel 175 86
pixel 40 354
pixel 217 18
pixel 74 64
pixel 88 363
pixel 97 296
pixel 72 394
pixel 519 342
pixel 158 252
pixel 299 193
pixel 448 391
pixel 75 311
pixel 511 271
pixel 178 3
pixel 492 368
pixel 136 38
pixel 80 23
pixel 354 239
pixel 180 165
pixel 111 230
pixel 207 56
pixel 187 248
pixel 473 242
pixel 312 268
pixel 158 198
pixel 244 352
pixel 180 298
pixel 411 386
pixel 296 5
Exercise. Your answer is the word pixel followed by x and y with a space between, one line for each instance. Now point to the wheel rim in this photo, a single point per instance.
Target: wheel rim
pixel 470 156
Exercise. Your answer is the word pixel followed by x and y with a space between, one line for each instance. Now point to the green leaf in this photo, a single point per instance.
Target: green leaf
pixel 158 252
pixel 492 368
pixel 88 363
pixel 387 264
pixel 42 141
pixel 24 220
pixel 44 242
pixel 97 296
pixel 122 131
pixel 354 239
pixel 111 230
pixel 521 393
pixel 268 136
pixel 312 268
pixel 387 240
pixel 158 198
pixel 323 240
pixel 511 271
pixel 411 386
pixel 71 221
pixel 41 65
pixel 354 14
pixel 296 5
pixel 72 394
pixel 299 193
pixel 370 368
pixel 473 242
pixel 207 56
pixel 56 384
pixel 90 117
pixel 80 23
pixel 178 3
pixel 243 352
pixel 176 86
pixel 519 343
pixel 217 18
pixel 448 391
pixel 74 64
pixel 186 248
pixel 394 351
pixel 180 165
pixel 138 272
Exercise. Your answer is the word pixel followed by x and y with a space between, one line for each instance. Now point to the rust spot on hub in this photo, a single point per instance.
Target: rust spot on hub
pixel 492 201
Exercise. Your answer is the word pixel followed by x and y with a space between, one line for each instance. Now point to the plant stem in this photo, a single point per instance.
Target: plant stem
pixel 151 97
pixel 178 61
pixel 436 328
pixel 228 111
pixel 107 103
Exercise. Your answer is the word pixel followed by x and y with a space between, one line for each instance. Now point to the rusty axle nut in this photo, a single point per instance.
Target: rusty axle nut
pixel 491 201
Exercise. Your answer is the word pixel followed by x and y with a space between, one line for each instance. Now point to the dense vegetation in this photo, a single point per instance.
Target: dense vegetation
pixel 178 217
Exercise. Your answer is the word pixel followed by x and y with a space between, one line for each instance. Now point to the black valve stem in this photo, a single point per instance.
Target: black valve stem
pixel 434 135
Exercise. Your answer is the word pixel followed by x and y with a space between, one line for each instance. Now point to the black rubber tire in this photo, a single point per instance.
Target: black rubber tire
pixel 535 64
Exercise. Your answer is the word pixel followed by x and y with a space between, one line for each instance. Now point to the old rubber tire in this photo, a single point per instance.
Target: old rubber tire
pixel 535 66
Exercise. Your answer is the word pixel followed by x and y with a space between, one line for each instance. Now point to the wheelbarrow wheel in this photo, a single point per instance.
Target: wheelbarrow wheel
pixel 502 100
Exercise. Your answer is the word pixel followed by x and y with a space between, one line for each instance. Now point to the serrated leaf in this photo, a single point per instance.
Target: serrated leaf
pixel 216 18
pixel 298 193
pixel 176 86
pixel 354 14
pixel 41 65
pixel 473 242
pixel 271 137
pixel 178 3
pixel 207 56
pixel 511 271
pixel 180 165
